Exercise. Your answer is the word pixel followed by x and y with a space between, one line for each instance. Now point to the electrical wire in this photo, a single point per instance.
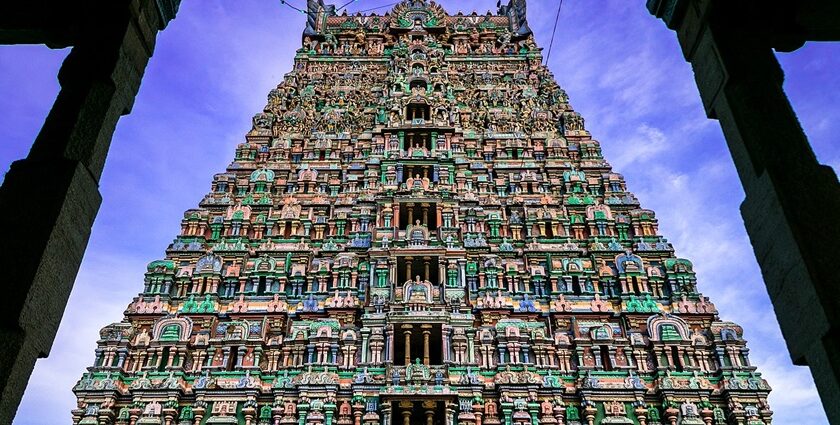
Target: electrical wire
pixel 377 7
pixel 345 5
pixel 553 31
pixel 292 7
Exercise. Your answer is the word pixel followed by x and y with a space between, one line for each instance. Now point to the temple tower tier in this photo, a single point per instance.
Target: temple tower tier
pixel 419 230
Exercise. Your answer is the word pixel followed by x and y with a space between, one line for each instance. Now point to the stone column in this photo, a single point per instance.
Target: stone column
pixel 462 272
pixel 407 334
pixel 386 413
pixel 365 337
pixel 450 413
pixel 330 412
pixel 392 267
pixel 389 344
pixel 445 331
pixel 533 409
pixel 122 353
pixel 98 357
pixel 471 345
pixel 628 354
pixel 333 353
pixel 426 334
pixel 792 203
pixel 240 355
pixel 408 275
pixel 430 413
pixel 52 196
pixel 406 411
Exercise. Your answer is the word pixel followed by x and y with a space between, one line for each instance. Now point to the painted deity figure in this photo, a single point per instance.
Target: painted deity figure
pixel 417 291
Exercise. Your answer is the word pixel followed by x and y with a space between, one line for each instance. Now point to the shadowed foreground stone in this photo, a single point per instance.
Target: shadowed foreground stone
pixel 52 196
pixel 792 205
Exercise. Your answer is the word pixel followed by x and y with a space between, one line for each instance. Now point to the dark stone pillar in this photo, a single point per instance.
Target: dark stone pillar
pixel 50 199
pixel 792 205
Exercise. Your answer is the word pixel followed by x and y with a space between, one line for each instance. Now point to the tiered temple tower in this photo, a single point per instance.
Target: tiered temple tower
pixel 419 229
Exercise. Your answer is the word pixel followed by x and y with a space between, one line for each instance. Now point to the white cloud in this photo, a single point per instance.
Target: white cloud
pixel 638 148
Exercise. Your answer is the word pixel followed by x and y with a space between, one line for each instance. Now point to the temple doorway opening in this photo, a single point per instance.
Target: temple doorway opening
pixel 418 112
pixel 418 344
pixel 425 412
pixel 422 267
pixel 423 212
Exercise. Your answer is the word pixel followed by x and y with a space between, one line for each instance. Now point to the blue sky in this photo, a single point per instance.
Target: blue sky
pixel 215 64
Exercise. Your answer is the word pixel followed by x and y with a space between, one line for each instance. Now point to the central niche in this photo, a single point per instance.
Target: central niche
pixel 420 84
pixel 416 343
pixel 426 267
pixel 418 141
pixel 424 212
pixel 418 111
pixel 413 172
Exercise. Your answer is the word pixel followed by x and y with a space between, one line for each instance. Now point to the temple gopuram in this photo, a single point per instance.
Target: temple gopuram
pixel 419 229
